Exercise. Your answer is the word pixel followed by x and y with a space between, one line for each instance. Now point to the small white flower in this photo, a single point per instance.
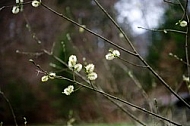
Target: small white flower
pixel 183 23
pixel 78 67
pixel 36 3
pixel 81 30
pixel 121 35
pixel 15 9
pixel 17 1
pixel 44 78
pixel 73 58
pixel 92 76
pixel 116 53
pixel 186 79
pixel 72 61
pixel 112 54
pixel 71 65
pixel 89 68
pixel 52 75
pixel 109 56
pixel 68 90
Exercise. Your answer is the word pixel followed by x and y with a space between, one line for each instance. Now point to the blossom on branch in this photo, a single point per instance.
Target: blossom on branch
pixel 89 68
pixel 73 65
pixel 36 3
pixel 72 61
pixel 92 76
pixel 112 54
pixel 44 78
pixel 78 67
pixel 15 9
pixel 51 75
pixel 183 23
pixel 68 90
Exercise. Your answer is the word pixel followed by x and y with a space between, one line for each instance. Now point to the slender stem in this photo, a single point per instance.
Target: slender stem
pixel 170 2
pixel 124 60
pixel 10 107
pixel 165 30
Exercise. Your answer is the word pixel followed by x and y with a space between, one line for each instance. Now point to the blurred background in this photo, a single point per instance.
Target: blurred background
pixel 43 103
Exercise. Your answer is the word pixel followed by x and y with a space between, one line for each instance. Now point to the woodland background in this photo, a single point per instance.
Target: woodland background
pixel 44 103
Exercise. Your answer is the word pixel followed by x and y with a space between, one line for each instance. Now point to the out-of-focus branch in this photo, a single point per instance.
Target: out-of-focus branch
pixel 10 107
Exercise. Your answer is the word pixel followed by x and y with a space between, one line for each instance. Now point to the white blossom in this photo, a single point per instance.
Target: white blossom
pixel 78 67
pixel 92 76
pixel 72 61
pixel 109 56
pixel 15 9
pixel 73 58
pixel 44 78
pixel 81 29
pixel 183 23
pixel 17 1
pixel 112 54
pixel 52 75
pixel 121 35
pixel 116 53
pixel 89 68
pixel 68 90
pixel 186 79
pixel 36 3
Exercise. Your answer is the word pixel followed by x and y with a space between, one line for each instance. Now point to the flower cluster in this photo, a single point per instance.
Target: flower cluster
pixel 73 65
pixel 112 54
pixel 18 8
pixel 89 69
pixel 45 78
pixel 19 5
pixel 68 90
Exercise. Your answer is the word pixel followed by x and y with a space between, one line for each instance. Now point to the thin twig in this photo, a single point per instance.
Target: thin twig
pixel 164 30
pixel 132 63
pixel 10 107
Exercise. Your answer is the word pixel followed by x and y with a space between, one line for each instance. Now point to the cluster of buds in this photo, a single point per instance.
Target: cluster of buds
pixel 19 5
pixel 45 78
pixel 68 90
pixel 112 54
pixel 73 65
pixel 91 75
